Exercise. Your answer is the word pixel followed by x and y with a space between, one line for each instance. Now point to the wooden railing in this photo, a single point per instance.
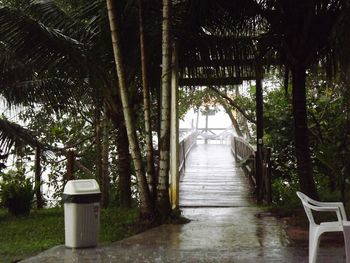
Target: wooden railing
pixel 185 146
pixel 248 155
pixel 245 153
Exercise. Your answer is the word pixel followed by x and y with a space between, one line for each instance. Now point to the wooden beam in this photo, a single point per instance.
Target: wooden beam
pixel 213 81
pixel 174 134
pixel 191 63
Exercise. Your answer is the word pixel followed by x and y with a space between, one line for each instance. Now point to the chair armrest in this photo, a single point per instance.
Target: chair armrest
pixel 339 205
pixel 335 209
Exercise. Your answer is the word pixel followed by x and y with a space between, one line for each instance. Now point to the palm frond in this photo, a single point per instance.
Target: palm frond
pixel 34 42
pixel 48 13
pixel 12 134
pixel 57 92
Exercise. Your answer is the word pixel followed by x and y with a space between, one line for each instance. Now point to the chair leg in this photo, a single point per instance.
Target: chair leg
pixel 313 245
pixel 346 232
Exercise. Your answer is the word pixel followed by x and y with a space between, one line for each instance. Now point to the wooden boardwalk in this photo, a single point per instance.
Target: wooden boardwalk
pixel 212 178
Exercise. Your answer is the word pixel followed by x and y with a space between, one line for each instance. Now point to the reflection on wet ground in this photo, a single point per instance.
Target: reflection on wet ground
pixel 214 235
pixel 232 231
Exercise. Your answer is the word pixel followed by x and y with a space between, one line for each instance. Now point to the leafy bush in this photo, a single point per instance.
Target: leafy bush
pixel 16 193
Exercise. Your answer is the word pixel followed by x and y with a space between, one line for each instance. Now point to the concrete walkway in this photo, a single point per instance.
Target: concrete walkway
pixel 214 235
pixel 233 232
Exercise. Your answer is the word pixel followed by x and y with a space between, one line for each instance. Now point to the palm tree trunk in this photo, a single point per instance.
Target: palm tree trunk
pixel 164 144
pixel 147 109
pixel 98 144
pixel 105 162
pixel 123 164
pixel 146 208
pixel 304 166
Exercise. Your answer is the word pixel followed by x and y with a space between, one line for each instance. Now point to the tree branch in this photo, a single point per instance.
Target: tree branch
pixel 233 104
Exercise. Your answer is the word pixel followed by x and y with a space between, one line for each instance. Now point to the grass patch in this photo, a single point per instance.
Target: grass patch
pixel 22 237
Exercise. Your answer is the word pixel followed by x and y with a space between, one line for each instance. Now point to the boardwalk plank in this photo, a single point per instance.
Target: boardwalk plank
pixel 213 178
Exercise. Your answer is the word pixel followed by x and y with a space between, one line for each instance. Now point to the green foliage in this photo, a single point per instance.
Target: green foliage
pixel 193 98
pixel 3 157
pixel 278 123
pixel 117 224
pixel 283 192
pixel 328 122
pixel 16 193
pixel 22 237
pixel 329 125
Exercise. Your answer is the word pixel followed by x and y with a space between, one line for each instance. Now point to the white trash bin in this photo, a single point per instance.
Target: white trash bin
pixel 81 200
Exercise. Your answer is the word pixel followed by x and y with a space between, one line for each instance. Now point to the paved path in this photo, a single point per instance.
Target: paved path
pixel 232 235
pixel 234 232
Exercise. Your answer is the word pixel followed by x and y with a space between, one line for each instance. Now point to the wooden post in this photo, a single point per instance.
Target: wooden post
pixel 184 154
pixel 37 167
pixel 70 166
pixel 174 135
pixel 235 145
pixel 268 185
pixel 206 123
pixel 259 133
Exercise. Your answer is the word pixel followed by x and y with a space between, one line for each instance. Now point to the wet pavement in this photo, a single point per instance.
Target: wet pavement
pixel 214 235
pixel 235 232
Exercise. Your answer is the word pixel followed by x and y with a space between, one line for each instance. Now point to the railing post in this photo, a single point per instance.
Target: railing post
pixel 235 145
pixel 184 150
pixel 259 167
pixel 268 186
pixel 70 166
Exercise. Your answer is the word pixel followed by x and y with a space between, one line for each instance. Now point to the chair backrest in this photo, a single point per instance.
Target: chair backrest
pixel 306 200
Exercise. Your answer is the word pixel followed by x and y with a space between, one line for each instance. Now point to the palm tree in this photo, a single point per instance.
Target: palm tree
pixel 42 43
pixel 147 106
pixel 145 199
pixel 304 37
pixel 164 144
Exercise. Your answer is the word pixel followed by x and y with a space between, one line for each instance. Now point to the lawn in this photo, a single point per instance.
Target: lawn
pixel 22 237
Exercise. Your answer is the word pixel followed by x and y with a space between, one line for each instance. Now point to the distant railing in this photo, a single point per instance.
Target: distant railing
pixel 185 146
pixel 221 135
pixel 249 156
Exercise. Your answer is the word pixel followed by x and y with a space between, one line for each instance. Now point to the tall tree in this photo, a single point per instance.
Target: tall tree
pixel 147 106
pixel 146 208
pixel 37 172
pixel 305 31
pixel 164 143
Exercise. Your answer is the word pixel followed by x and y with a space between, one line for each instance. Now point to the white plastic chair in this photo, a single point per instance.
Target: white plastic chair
pixel 316 230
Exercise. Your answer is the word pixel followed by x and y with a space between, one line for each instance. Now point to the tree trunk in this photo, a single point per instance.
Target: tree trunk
pixel 98 145
pixel 70 166
pixel 242 121
pixel 146 208
pixel 230 114
pixel 147 110
pixel 105 162
pixel 304 166
pixel 38 194
pixel 164 144
pixel 259 166
pixel 123 164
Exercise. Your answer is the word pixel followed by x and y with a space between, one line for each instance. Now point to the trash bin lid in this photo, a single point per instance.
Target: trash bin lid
pixel 81 187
